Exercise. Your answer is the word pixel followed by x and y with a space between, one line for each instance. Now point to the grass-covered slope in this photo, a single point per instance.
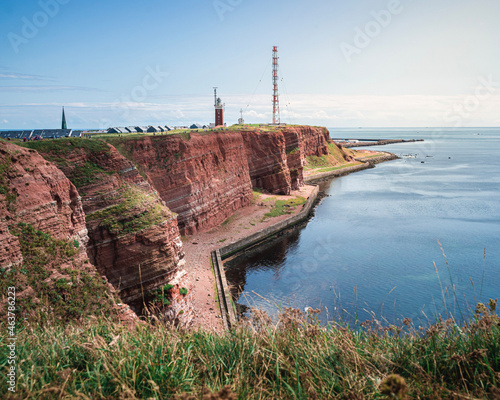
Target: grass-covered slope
pixel 54 284
pixel 133 211
pixel 293 359
pixel 65 153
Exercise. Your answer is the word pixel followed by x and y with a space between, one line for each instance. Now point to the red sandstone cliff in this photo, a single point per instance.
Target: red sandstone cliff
pixel 205 177
pixel 133 237
pixel 267 160
pixel 302 142
pixel 276 158
pixel 35 192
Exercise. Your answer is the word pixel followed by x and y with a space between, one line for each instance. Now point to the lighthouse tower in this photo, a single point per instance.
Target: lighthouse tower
pixel 219 110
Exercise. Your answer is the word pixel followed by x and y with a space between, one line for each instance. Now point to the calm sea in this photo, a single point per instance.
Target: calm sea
pixel 369 250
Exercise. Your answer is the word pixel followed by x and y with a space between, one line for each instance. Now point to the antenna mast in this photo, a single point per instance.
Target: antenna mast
pixel 276 100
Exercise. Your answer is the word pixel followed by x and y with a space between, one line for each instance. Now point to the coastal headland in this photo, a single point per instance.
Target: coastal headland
pixel 146 211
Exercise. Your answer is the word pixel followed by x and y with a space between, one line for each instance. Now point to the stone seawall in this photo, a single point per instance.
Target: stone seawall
pixel 260 236
pixel 228 313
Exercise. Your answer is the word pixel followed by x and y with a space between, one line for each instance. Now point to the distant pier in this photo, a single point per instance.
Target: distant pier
pixel 372 142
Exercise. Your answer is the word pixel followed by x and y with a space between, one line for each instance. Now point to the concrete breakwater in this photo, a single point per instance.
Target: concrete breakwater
pixel 372 142
pixel 367 162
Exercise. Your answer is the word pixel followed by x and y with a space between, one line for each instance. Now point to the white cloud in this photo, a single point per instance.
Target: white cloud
pixel 39 88
pixel 18 76
pixel 326 110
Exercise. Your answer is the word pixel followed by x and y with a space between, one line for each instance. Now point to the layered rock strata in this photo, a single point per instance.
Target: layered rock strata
pixel 34 191
pixel 205 177
pixel 133 237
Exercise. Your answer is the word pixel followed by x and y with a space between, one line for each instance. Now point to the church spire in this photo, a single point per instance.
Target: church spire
pixel 64 126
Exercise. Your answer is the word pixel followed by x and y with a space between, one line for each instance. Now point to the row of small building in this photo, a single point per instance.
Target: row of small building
pixel 152 129
pixel 40 134
pixel 60 133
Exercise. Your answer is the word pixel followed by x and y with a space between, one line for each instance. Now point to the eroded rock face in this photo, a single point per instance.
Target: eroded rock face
pixel 36 192
pixel 133 237
pixel 302 142
pixel 267 160
pixel 205 177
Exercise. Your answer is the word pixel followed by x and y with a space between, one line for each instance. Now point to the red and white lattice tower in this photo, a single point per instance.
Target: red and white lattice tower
pixel 276 99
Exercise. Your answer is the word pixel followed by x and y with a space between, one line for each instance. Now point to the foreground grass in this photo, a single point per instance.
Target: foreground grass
pixel 294 358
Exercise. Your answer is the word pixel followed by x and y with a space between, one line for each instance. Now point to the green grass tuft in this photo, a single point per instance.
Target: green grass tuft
pixel 124 217
pixel 282 207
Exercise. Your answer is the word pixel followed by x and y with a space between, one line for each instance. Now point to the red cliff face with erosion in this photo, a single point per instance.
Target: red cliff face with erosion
pixel 205 177
pixel 34 191
pixel 133 237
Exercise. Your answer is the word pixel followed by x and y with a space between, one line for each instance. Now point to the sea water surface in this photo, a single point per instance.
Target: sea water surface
pixel 369 250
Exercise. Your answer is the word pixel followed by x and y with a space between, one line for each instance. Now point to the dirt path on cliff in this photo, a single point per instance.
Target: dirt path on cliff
pixel 199 279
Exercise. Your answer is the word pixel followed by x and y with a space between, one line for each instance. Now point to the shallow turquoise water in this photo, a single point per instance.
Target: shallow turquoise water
pixel 370 247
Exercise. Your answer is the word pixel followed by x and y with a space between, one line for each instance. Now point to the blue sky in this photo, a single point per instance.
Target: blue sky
pixel 342 64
